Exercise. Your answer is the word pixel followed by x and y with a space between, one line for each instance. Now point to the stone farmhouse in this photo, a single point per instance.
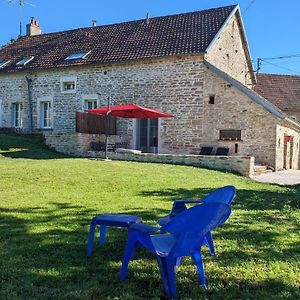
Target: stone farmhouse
pixel 196 66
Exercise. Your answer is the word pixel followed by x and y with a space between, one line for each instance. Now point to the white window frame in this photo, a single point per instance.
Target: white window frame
pixel 68 80
pixel 3 63
pixel 40 112
pixel 78 55
pixel 18 124
pixel 89 98
pixel 24 61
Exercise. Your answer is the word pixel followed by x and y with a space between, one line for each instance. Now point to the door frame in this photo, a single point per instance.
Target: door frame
pixel 137 134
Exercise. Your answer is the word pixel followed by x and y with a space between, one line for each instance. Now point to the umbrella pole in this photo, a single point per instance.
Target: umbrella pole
pixel 106 146
pixel 107 123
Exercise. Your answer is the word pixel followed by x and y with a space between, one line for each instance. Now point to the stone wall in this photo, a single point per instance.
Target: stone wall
pixel 228 53
pixel 172 85
pixel 177 85
pixel 234 110
pixel 78 144
pixel 240 164
pixel 291 155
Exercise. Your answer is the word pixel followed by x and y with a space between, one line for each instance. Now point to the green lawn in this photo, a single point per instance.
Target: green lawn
pixel 47 201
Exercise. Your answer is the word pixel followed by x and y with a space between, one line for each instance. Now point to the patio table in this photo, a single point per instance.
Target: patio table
pixel 104 220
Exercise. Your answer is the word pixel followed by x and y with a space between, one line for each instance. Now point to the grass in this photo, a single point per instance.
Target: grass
pixel 47 201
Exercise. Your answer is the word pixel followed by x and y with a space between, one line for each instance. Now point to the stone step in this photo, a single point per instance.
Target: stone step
pixel 258 170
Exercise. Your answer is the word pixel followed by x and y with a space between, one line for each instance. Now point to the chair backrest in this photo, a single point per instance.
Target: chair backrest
pixel 193 224
pixel 206 150
pixel 224 194
pixel 222 151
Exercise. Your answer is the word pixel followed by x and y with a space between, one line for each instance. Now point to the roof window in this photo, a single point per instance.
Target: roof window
pixel 78 55
pixel 3 63
pixel 24 61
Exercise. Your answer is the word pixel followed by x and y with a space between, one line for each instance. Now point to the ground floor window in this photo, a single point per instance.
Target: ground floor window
pixel 90 104
pixel 230 135
pixel 45 114
pixel 17 114
pixel 147 135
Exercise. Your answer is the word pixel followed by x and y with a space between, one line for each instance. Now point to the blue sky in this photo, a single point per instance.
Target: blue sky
pixel 272 26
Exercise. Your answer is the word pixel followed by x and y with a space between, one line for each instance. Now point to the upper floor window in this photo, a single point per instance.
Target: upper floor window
pixel 230 135
pixel 78 55
pixel 68 84
pixel 24 61
pixel 211 99
pixel 17 115
pixel 3 63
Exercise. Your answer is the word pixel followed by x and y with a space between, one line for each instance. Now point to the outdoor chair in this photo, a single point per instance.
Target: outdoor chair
pixel 206 150
pixel 224 194
pixel 222 151
pixel 184 236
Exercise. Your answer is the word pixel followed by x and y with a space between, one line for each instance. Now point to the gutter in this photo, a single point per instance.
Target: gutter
pixel 29 89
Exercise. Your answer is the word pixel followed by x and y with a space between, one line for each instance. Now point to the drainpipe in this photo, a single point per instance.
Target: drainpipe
pixel 29 88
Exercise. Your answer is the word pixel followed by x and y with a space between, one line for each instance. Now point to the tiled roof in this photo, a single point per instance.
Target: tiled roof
pixel 162 36
pixel 282 90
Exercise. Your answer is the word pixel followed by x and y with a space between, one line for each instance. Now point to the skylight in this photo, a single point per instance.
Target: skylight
pixel 3 63
pixel 24 61
pixel 78 55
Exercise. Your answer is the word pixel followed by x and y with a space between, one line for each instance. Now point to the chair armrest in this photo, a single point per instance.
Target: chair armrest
pixel 188 201
pixel 143 228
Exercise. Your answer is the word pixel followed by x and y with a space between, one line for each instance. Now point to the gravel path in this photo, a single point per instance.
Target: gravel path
pixel 288 177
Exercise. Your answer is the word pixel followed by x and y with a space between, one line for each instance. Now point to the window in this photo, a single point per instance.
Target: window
pixel 230 135
pixel 78 55
pixel 24 61
pixel 3 63
pixel 17 115
pixel 211 99
pixel 45 114
pixel 68 84
pixel 90 104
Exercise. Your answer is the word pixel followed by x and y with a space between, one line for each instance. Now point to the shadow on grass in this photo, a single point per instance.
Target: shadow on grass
pixel 43 255
pixel 28 147
pixel 245 199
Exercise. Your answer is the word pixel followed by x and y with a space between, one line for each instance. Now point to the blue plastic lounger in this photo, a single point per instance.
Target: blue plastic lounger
pixel 184 235
pixel 224 194
pixel 113 220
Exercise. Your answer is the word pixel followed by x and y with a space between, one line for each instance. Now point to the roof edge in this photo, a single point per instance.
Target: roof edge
pixel 243 33
pixel 213 41
pixel 251 94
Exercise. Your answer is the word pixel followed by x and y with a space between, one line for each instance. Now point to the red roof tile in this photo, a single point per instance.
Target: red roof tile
pixel 282 90
pixel 163 36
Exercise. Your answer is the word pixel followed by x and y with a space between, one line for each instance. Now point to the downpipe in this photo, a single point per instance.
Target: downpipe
pixel 29 89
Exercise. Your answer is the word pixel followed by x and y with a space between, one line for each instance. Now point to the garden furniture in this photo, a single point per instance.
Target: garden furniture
pixel 224 194
pixel 184 235
pixel 112 220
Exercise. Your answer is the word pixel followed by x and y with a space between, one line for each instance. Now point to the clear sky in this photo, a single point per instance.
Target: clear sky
pixel 272 26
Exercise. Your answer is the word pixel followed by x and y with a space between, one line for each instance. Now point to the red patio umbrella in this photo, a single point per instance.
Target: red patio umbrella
pixel 132 111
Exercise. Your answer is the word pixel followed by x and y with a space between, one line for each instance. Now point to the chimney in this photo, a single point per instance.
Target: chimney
pixel 33 28
pixel 94 23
